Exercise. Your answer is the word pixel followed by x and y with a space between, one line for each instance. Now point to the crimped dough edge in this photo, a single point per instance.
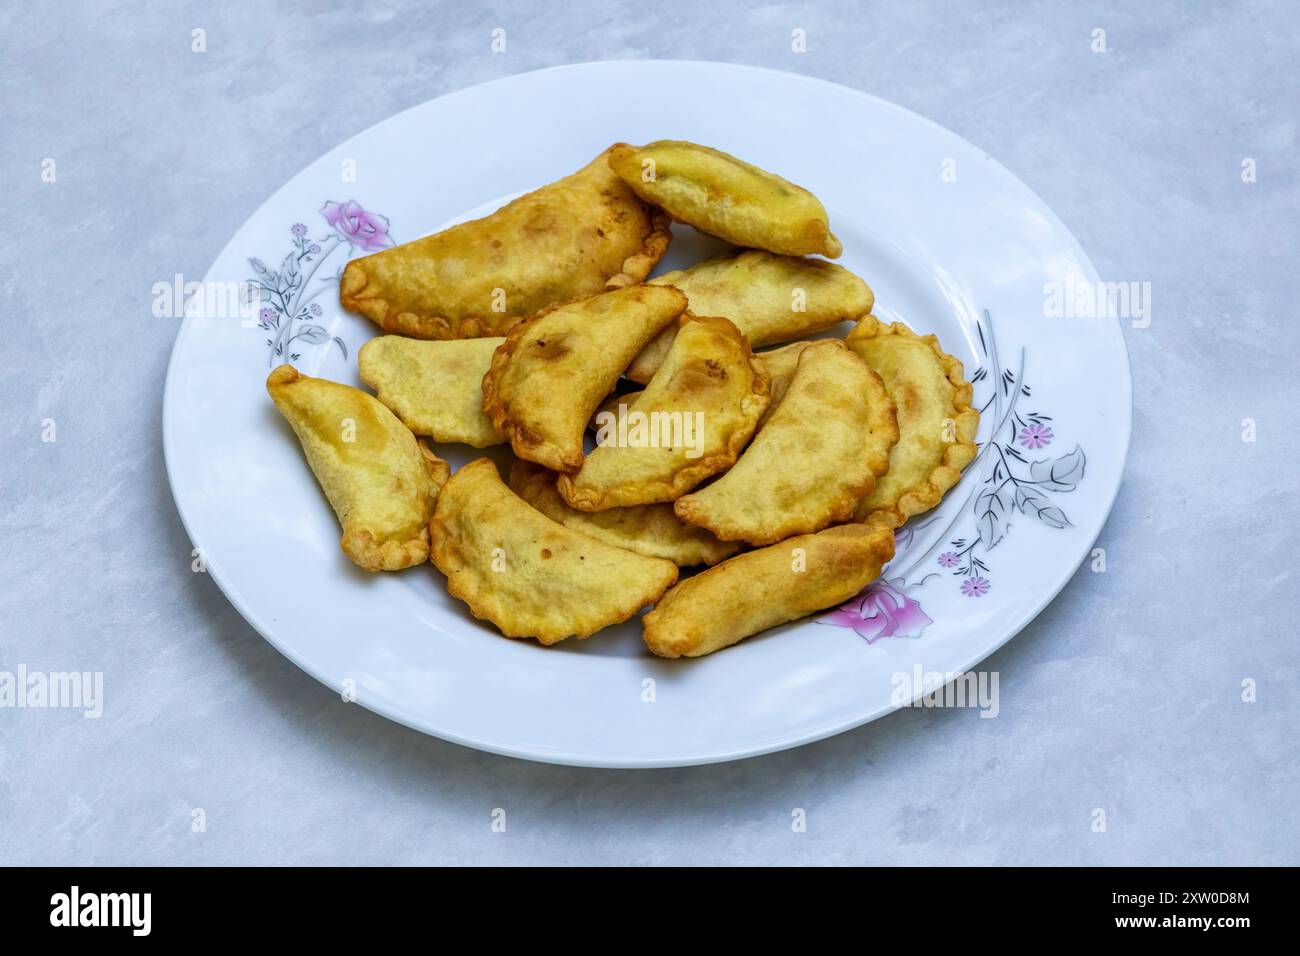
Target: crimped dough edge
pixel 928 493
pixel 688 476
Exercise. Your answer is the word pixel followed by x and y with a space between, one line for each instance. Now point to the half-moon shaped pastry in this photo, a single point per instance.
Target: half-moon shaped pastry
pixel 936 422
pixel 553 370
pixel 780 364
pixel 725 197
pixel 379 480
pixel 528 575
pixel 571 238
pixel 690 423
pixel 435 388
pixel 611 406
pixel 760 589
pixel 812 462
pixel 652 530
pixel 770 298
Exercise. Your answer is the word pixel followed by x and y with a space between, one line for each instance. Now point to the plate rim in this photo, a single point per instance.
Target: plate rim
pixel 789 740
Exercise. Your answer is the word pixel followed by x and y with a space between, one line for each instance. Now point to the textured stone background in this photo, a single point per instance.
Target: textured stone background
pixel 1123 695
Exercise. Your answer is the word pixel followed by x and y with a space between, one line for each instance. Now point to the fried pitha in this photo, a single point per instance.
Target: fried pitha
pixel 760 589
pixel 936 422
pixel 379 480
pixel 574 237
pixel 553 370
pixel 434 387
pixel 770 298
pixel 814 460
pixel 726 197
pixel 780 364
pixel 694 417
pixel 652 530
pixel 528 575
pixel 610 406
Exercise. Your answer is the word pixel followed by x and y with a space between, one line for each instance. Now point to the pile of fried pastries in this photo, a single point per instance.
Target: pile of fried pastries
pixel 782 471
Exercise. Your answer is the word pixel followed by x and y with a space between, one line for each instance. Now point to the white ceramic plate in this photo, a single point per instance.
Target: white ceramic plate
pixel 966 257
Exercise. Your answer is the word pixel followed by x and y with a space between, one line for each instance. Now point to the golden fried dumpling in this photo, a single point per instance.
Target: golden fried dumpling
pixel 936 422
pixel 611 406
pixel 553 370
pixel 379 480
pixel 434 387
pixel 812 462
pixel 760 589
pixel 771 299
pixel 780 364
pixel 571 238
pixel 726 197
pixel 690 423
pixel 652 530
pixel 528 575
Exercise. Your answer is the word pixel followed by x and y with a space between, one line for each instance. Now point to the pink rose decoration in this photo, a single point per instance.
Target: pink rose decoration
pixel 882 610
pixel 367 231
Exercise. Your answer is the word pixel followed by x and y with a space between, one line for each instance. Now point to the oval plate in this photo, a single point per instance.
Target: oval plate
pixel 949 240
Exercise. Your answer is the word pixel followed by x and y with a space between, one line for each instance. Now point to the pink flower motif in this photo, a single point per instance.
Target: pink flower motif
pixel 882 610
pixel 367 231
pixel 975 587
pixel 948 560
pixel 1036 435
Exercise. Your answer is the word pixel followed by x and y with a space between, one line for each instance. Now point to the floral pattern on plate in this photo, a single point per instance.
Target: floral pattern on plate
pixel 287 294
pixel 1014 483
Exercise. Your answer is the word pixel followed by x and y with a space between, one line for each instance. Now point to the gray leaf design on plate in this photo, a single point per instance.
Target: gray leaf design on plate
pixel 1033 502
pixel 1059 474
pixel 268 277
pixel 992 516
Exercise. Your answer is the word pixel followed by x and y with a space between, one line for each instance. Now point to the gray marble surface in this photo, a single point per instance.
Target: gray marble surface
pixel 1125 694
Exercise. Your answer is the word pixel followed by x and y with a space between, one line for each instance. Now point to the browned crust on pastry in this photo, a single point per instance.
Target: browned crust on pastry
pixel 449 556
pixel 494 405
pixel 355 279
pixel 611 404
pixel 374 555
pixel 757 590
pixel 818 236
pixel 638 265
pixel 437 327
pixel 282 375
pixel 362 547
pixel 439 470
pixel 956 456
pixel 686 478
pixel 689 546
pixel 391 555
pixel 353 283
pixel 523 440
pixel 882 426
